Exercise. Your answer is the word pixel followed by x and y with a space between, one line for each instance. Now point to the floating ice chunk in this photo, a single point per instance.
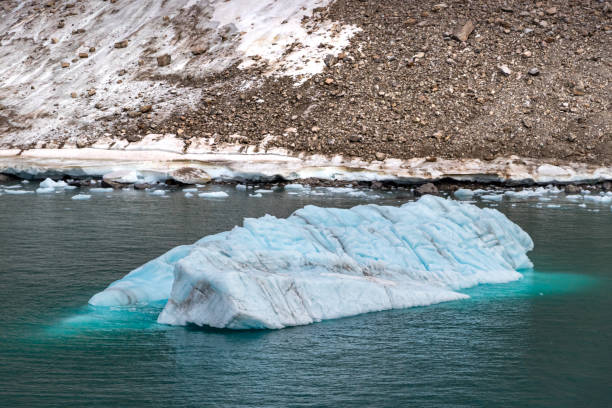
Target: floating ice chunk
pixel 45 190
pixel 553 206
pixel 188 195
pixel 18 192
pixel 492 197
pixel 214 194
pixel 583 205
pixel 190 190
pixel 464 193
pixel 258 195
pixel 263 191
pixel 13 187
pixel 598 199
pixel 294 187
pixel 81 197
pixel 339 190
pixel 25 182
pixel 158 192
pixel 574 197
pixel 48 183
pixel 100 190
pixel 241 187
pixel 149 283
pixel 327 263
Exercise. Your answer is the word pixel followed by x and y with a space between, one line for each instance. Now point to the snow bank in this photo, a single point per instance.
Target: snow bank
pixel 327 263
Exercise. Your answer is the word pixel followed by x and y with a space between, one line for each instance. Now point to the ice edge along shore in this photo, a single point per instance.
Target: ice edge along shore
pixel 239 163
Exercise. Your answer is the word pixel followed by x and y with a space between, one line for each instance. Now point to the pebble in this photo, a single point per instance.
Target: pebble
pixel 505 70
pixel 534 72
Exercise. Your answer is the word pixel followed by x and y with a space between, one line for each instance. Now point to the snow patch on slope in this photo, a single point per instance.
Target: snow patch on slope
pixel 202 37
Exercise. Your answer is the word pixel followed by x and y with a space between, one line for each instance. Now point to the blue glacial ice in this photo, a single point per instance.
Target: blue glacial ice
pixel 325 263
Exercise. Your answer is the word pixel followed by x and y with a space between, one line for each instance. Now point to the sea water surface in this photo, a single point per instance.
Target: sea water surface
pixel 544 341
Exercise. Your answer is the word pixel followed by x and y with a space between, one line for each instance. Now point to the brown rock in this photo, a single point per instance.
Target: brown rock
pixel 190 175
pixel 65 64
pixel 164 60
pixel 198 50
pixel 463 32
pixel 572 189
pixel 121 44
pixel 146 108
pixel 380 156
pixel 83 55
pixel 428 188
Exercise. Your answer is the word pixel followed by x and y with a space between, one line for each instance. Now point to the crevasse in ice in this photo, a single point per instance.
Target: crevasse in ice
pixel 325 263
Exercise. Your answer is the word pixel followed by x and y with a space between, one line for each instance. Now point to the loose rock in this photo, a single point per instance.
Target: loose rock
pixel 463 32
pixel 428 188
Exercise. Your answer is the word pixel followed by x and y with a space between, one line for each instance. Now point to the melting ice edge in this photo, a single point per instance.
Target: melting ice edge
pixel 326 263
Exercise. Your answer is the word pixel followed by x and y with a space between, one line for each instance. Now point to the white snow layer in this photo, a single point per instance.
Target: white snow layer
pixel 325 263
pixel 201 36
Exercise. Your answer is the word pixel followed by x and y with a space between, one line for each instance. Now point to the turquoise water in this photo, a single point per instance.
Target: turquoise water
pixel 543 341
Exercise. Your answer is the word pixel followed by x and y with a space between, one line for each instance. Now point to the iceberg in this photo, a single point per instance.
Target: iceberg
pixel 326 263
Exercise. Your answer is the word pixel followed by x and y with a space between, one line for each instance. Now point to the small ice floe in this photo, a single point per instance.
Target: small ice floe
pixel 25 182
pixel 553 206
pixel 12 187
pixel 598 199
pixel 158 192
pixel 214 194
pixel 190 190
pixel 45 190
pixel 492 197
pixel 544 199
pixel 464 193
pixel 263 191
pixel 574 197
pixel 101 190
pixel 18 192
pixel 241 187
pixel 583 205
pixel 81 197
pixel 339 190
pixel 257 195
pixel 188 195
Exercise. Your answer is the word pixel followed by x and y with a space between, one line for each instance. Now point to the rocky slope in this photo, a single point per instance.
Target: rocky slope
pixel 374 80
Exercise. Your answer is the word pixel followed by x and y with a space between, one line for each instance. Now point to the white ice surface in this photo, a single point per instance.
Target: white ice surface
pixel 214 194
pixel 81 197
pixel 464 193
pixel 324 263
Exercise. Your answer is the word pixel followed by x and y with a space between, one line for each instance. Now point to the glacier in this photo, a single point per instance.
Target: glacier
pixel 326 263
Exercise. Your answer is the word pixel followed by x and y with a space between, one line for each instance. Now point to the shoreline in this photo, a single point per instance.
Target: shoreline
pixel 231 165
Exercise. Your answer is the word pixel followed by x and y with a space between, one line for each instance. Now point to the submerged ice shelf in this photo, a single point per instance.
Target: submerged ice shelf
pixel 325 263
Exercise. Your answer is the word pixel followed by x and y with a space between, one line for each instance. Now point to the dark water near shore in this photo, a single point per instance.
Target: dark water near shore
pixel 545 341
